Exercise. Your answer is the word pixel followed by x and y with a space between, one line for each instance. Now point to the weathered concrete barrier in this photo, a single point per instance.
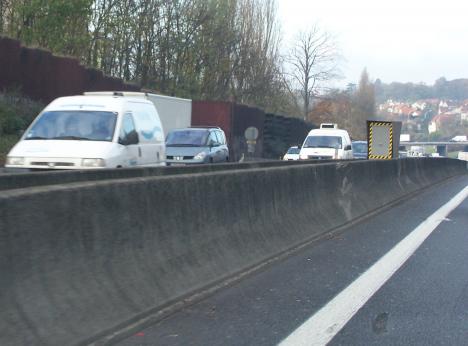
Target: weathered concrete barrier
pixel 18 180
pixel 80 259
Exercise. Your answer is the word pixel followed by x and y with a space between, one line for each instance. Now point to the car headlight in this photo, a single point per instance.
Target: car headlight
pixel 200 156
pixel 93 163
pixel 15 161
pixel 303 157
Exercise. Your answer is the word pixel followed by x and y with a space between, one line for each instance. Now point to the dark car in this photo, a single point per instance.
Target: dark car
pixel 196 145
pixel 359 149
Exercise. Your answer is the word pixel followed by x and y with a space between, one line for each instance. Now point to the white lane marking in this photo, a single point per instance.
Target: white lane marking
pixel 329 320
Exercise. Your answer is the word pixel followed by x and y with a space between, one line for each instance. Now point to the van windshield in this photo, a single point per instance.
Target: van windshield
pixel 187 138
pixel 74 125
pixel 333 142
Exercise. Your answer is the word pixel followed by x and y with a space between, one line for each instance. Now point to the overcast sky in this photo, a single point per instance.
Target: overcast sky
pixel 397 40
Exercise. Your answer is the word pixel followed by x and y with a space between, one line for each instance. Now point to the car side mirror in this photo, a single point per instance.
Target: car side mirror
pixel 130 138
pixel 348 147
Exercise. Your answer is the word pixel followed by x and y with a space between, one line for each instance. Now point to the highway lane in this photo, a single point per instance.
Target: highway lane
pixel 425 302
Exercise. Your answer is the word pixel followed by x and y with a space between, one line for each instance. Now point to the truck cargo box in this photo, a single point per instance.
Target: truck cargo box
pixel 174 112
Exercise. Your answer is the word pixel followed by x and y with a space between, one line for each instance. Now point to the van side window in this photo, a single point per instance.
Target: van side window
pixel 128 126
pixel 149 125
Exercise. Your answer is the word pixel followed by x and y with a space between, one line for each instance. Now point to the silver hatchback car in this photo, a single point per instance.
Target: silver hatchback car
pixel 194 145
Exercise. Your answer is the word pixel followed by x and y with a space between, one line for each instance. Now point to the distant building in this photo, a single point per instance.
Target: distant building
pixel 440 121
pixel 419 105
pixel 416 114
pixel 443 107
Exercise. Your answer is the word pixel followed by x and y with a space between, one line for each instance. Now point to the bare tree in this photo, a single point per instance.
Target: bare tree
pixel 312 60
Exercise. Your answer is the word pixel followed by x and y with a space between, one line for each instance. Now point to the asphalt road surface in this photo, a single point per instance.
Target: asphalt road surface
pixel 361 287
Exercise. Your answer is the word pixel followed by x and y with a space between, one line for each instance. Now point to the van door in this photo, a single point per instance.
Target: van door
pixel 128 137
pixel 348 149
pixel 150 132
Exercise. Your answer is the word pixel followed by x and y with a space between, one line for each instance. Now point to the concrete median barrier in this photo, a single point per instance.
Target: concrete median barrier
pixel 18 178
pixel 82 259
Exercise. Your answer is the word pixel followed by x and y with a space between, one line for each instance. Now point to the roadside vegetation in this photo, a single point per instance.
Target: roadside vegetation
pixel 228 50
pixel 16 113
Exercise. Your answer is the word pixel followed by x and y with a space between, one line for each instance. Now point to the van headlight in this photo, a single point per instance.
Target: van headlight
pixel 15 161
pixel 93 163
pixel 200 156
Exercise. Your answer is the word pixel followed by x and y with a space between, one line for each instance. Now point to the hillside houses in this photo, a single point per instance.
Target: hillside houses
pixel 404 110
pixel 440 121
pixel 437 116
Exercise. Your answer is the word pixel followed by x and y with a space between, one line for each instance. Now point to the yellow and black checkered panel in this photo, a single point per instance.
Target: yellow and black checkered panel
pixel 376 156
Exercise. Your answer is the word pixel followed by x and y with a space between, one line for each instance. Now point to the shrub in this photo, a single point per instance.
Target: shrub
pixel 16 113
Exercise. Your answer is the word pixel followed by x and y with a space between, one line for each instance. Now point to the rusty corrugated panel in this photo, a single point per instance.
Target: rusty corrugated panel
pixel 43 76
pixel 73 84
pixel 10 68
pixel 213 113
pixel 35 72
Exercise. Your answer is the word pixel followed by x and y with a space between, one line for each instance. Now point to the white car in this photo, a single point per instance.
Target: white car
pixel 89 132
pixel 327 143
pixel 292 154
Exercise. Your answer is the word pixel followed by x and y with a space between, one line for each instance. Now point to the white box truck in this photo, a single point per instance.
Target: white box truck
pixel 174 112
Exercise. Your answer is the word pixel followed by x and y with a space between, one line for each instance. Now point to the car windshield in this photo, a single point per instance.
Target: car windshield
pixel 192 138
pixel 323 142
pixel 360 148
pixel 293 151
pixel 74 125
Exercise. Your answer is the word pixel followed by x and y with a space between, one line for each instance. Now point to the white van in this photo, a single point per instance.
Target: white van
pixel 327 143
pixel 88 132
